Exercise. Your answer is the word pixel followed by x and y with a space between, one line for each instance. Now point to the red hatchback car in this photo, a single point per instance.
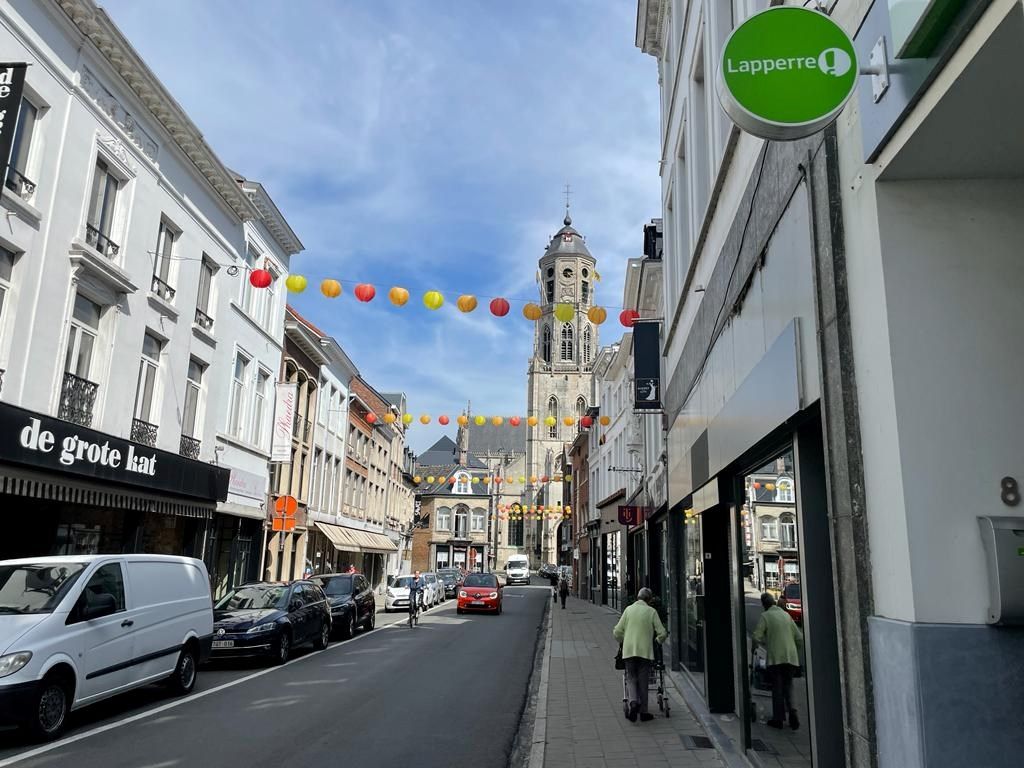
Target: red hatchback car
pixel 480 592
pixel 791 603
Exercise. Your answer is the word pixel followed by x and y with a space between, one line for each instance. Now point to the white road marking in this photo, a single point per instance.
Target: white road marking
pixel 15 759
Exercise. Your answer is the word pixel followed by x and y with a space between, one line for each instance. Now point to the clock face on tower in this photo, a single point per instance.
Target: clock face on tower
pixel 567 273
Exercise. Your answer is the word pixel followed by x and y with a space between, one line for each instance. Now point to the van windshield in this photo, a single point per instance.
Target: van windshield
pixel 36 588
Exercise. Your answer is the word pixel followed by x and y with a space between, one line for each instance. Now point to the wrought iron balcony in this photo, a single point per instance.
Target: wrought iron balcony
pixel 162 289
pixel 301 428
pixel 19 184
pixel 189 447
pixel 77 398
pixel 203 320
pixel 144 433
pixel 101 242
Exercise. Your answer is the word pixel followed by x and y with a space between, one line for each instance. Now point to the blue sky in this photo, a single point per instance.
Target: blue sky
pixel 425 144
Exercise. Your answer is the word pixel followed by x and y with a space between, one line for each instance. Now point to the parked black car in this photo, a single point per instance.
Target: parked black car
pixel 270 619
pixel 351 599
pixel 548 571
pixel 452 578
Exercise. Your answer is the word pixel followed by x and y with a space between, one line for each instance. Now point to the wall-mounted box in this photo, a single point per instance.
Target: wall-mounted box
pixel 1003 538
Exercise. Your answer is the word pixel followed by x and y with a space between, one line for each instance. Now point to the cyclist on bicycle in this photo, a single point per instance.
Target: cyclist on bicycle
pixel 416 587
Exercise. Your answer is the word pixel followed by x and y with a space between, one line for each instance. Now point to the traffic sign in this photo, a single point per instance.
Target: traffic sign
pixel 286 506
pixel 786 72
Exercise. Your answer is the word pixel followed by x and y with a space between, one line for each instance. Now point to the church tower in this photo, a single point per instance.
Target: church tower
pixel 559 377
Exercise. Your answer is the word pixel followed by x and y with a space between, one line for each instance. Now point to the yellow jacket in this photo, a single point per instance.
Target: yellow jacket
pixel 636 631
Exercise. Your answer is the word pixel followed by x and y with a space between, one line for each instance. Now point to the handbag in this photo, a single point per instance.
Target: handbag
pixel 619 663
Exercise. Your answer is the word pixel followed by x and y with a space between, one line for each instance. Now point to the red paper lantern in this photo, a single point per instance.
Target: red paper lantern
pixel 260 278
pixel 497 480
pixel 499 307
pixel 628 316
pixel 371 418
pixel 442 420
pixel 365 292
pixel 515 421
pixel 544 479
pixel 757 485
pixel 586 422
pixel 451 480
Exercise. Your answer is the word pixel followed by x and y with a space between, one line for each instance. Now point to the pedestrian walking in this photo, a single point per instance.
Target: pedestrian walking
pixel 782 639
pixel 563 589
pixel 636 632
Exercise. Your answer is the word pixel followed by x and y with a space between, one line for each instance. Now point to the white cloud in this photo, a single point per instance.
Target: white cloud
pixel 425 145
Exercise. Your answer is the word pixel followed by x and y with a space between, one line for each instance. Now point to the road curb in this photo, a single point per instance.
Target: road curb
pixel 540 721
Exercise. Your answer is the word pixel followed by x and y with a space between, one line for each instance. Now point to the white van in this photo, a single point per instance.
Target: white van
pixel 517 569
pixel 76 630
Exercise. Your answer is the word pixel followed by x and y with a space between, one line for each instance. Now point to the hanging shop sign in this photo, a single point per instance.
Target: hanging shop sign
pixel 284 420
pixel 786 72
pixel 44 443
pixel 633 515
pixel 647 365
pixel 12 82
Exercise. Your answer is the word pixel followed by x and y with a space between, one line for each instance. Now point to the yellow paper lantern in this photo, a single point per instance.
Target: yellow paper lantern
pixel 407 418
pixel 475 480
pixel 497 421
pixel 466 303
pixel 433 300
pixel 532 421
pixel 330 288
pixel 597 315
pixel 533 478
pixel 770 486
pixel 462 420
pixel 487 481
pixel 389 418
pixel 532 312
pixel 605 421
pixel 296 283
pixel 568 421
pixel 522 479
pixel 398 296
pixel 480 420
pixel 430 479
pixel 424 419
pixel 564 312
pixel 568 478
pixel 551 421
pixel 417 479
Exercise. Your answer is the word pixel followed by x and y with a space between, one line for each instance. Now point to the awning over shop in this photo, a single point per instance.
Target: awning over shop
pixel 374 543
pixel 342 538
pixel 38 486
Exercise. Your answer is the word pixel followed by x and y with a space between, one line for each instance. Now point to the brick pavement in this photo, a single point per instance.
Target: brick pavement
pixel 585 726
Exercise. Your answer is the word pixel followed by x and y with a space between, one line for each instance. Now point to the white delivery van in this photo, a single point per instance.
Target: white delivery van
pixel 517 569
pixel 76 630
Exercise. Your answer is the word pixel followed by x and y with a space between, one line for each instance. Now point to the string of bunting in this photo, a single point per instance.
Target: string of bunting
pixel 462 420
pixel 533 512
pixel 497 480
pixel 499 306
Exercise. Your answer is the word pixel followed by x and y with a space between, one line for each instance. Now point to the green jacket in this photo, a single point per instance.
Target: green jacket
pixel 780 636
pixel 636 630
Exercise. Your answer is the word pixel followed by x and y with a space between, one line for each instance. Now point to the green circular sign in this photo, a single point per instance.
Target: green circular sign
pixel 786 73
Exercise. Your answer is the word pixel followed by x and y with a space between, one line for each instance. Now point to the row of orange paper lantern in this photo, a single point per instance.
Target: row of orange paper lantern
pixel 520 509
pixel 462 420
pixel 555 516
pixel 433 300
pixel 452 479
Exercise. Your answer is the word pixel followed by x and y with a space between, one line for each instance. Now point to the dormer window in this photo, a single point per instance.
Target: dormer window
pixel 462 482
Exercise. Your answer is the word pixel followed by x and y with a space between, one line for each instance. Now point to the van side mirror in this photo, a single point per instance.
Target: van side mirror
pixel 97 607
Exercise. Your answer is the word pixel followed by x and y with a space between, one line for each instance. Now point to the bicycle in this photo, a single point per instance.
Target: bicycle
pixel 414 610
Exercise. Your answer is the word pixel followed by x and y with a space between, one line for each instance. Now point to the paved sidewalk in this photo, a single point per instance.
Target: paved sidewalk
pixel 585 725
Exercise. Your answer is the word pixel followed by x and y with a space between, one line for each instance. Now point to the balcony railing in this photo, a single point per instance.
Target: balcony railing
pixel 77 398
pixel 144 433
pixel 101 242
pixel 162 289
pixel 19 183
pixel 189 447
pixel 203 320
pixel 301 429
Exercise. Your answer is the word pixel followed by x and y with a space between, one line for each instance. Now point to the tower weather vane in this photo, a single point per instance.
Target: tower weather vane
pixel 568 191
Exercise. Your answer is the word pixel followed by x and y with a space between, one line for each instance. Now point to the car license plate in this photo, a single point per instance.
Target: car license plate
pixel 477 602
pixel 223 643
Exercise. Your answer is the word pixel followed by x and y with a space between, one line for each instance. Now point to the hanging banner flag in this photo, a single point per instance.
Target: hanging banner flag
pixel 633 515
pixel 286 397
pixel 12 82
pixel 647 365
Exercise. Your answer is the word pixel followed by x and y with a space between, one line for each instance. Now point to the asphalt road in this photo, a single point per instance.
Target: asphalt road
pixel 447 692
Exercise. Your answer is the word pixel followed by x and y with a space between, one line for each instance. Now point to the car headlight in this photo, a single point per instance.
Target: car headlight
pixel 493 595
pixel 793 606
pixel 462 593
pixel 12 662
pixel 390 593
pixel 262 628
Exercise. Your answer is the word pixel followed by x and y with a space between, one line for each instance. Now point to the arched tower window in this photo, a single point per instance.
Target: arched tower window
pixel 585 346
pixel 553 411
pixel 567 343
pixel 545 346
pixel 581 411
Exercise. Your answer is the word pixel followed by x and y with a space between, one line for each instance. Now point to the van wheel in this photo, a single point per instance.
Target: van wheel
pixel 183 679
pixel 51 705
pixel 282 647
